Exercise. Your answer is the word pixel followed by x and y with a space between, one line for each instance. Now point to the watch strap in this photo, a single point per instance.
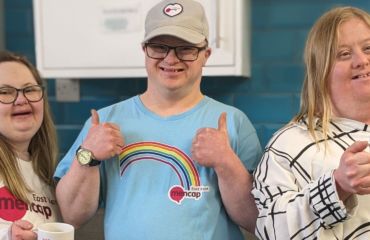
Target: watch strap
pixel 94 162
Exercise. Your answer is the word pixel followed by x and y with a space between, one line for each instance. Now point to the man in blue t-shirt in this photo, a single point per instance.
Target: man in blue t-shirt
pixel 170 163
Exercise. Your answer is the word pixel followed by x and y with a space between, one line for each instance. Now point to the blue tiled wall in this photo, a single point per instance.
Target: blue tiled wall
pixel 270 97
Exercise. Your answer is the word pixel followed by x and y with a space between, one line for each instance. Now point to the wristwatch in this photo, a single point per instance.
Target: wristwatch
pixel 86 158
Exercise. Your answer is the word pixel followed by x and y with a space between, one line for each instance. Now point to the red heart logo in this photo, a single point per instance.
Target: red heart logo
pixel 11 209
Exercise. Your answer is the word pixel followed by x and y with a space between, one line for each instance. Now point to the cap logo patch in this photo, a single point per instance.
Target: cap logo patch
pixel 172 9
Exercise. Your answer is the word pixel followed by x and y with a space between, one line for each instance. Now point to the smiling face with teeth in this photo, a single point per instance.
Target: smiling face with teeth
pixel 20 120
pixel 171 77
pixel 349 81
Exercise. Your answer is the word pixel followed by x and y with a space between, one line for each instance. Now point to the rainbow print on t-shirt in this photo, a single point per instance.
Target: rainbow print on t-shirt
pixel 173 157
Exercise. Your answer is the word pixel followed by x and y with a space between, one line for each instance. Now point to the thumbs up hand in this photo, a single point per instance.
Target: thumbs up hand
pixel 103 139
pixel 353 173
pixel 211 147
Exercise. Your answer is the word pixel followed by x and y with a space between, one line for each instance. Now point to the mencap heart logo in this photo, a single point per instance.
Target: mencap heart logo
pixel 172 9
pixel 11 208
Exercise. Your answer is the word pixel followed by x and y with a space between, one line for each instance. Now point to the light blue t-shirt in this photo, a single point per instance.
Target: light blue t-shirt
pixel 154 190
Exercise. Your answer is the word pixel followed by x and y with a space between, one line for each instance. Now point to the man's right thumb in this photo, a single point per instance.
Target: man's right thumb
pixel 94 117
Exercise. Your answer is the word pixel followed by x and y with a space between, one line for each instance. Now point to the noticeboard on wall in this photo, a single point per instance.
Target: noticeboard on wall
pixel 102 38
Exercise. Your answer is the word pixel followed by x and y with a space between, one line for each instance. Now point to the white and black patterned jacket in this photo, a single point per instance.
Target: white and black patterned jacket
pixel 295 191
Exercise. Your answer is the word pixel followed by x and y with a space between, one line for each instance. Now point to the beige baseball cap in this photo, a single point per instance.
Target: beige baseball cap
pixel 184 19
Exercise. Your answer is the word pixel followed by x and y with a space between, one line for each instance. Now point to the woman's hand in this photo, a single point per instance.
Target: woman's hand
pixel 22 230
pixel 353 173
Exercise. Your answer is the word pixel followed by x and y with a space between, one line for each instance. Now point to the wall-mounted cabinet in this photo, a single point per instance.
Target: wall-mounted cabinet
pixel 102 38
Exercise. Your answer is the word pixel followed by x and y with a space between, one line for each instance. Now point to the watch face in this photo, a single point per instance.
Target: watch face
pixel 84 157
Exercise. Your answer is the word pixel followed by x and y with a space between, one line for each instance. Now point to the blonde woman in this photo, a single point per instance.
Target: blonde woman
pixel 314 178
pixel 28 150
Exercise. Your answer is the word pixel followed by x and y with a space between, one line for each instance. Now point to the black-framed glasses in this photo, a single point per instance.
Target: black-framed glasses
pixel 33 93
pixel 183 53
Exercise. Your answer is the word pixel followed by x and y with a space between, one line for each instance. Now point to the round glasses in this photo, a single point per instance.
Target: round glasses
pixel 32 93
pixel 183 53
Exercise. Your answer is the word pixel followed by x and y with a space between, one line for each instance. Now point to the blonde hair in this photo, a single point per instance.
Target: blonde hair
pixel 43 148
pixel 319 57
